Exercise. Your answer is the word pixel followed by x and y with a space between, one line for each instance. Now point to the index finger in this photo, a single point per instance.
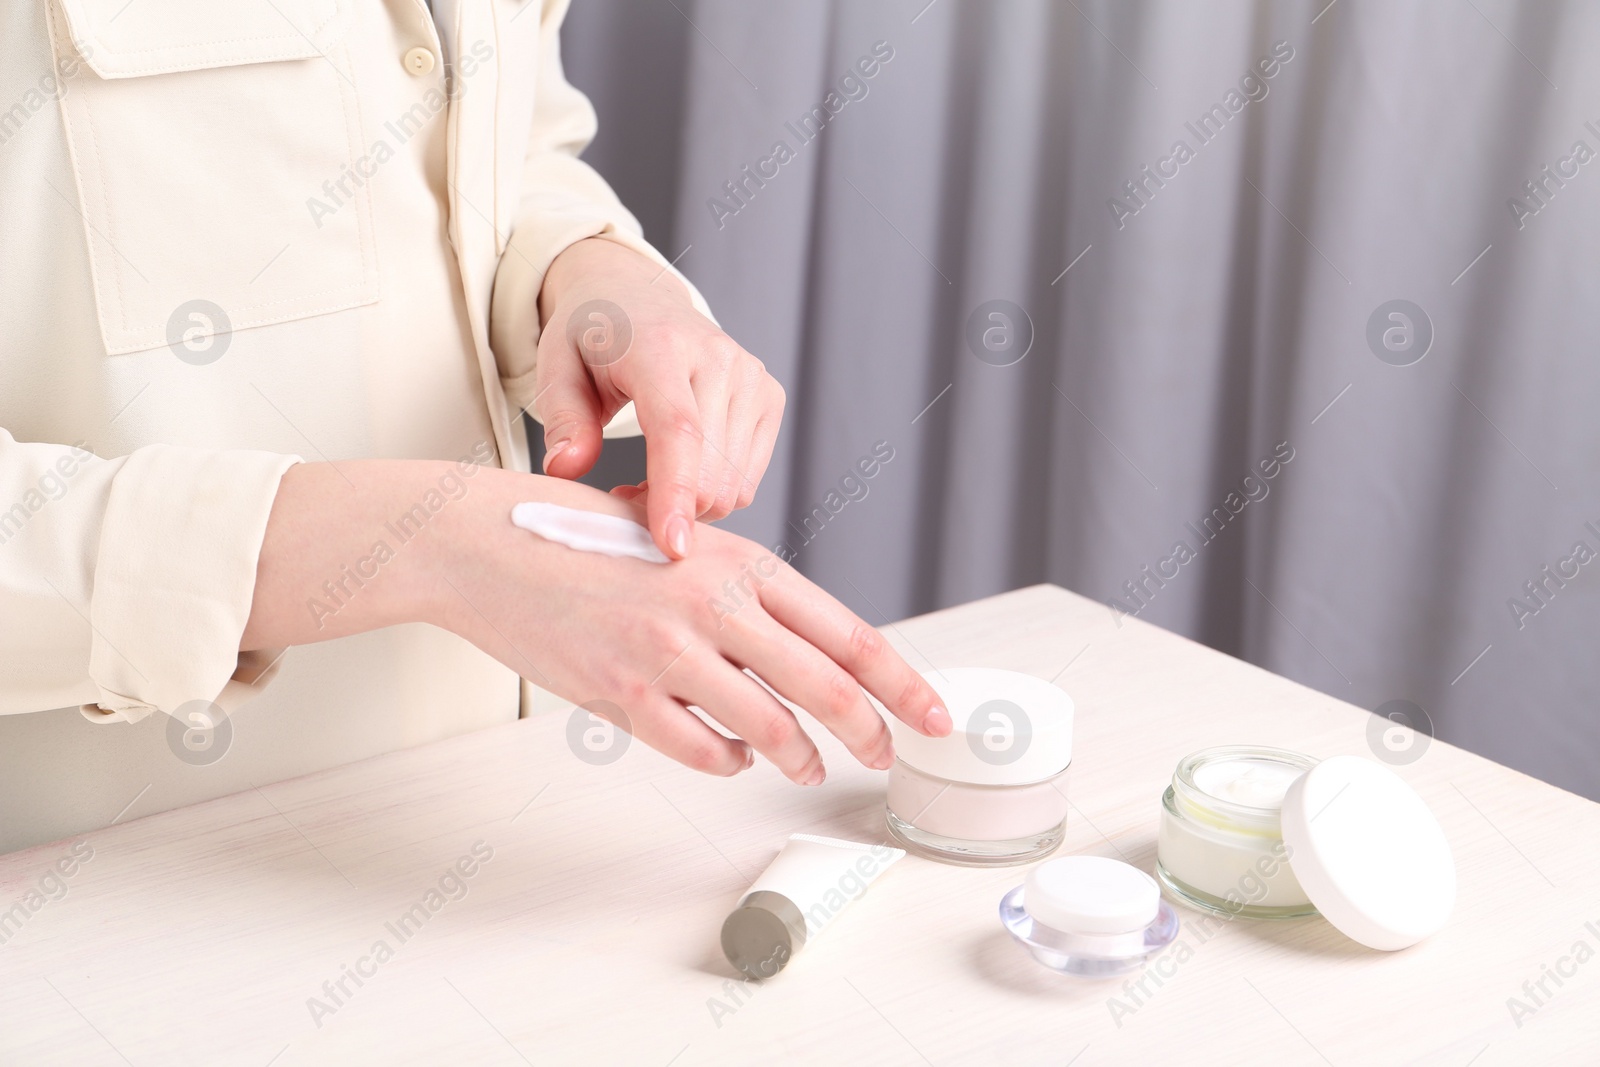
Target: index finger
pixel 673 445
pixel 845 638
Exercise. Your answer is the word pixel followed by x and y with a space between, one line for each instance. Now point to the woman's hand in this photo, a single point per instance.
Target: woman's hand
pixel 655 638
pixel 651 638
pixel 617 327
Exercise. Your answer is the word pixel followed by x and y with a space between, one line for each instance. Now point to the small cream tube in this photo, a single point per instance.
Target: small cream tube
pixel 796 897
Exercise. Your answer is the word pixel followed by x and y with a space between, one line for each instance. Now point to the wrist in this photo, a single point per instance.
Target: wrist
pixel 595 265
pixel 477 562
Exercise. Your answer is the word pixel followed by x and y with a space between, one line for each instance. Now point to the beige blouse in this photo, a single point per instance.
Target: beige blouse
pixel 233 235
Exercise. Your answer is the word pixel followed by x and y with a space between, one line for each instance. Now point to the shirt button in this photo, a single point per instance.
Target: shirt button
pixel 419 61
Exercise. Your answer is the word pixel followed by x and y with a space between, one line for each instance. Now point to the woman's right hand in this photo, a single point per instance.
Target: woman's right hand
pixel 651 638
pixel 655 638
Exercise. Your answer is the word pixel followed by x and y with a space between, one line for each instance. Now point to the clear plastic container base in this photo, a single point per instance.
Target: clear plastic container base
pixel 1083 955
pixel 965 853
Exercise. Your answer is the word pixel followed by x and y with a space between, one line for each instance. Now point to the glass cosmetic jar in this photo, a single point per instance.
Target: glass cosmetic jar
pixel 993 792
pixel 1220 846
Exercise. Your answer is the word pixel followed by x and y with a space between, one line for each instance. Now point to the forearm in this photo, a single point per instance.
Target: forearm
pixel 371 544
pixel 326 521
pixel 364 544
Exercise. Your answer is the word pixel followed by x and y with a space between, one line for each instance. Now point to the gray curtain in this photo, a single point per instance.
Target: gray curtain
pixel 1385 501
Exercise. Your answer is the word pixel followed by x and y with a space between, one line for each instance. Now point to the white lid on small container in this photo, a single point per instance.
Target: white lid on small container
pixel 1091 895
pixel 1369 853
pixel 1009 729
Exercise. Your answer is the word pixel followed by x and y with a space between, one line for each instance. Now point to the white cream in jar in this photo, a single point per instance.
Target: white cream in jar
pixel 1221 846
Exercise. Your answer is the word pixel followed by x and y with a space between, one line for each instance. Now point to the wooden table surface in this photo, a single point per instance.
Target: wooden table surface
pixel 590 934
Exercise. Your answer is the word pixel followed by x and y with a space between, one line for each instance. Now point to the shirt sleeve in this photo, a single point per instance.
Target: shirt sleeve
pixel 564 200
pixel 126 584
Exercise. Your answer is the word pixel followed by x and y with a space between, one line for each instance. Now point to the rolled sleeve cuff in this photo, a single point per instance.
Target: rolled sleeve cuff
pixel 175 579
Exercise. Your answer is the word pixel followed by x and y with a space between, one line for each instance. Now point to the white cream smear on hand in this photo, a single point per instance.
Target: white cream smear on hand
pixel 587 531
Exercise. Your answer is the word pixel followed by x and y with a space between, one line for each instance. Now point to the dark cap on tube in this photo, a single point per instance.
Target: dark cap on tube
pixel 763 934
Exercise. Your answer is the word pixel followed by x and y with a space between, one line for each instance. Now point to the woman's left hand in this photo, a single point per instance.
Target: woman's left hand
pixel 618 327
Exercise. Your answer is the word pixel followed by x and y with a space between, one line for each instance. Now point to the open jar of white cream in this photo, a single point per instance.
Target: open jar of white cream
pixel 993 791
pixel 1221 846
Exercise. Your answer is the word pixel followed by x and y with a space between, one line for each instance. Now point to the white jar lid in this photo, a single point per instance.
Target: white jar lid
pixel 1369 853
pixel 1008 729
pixel 1091 895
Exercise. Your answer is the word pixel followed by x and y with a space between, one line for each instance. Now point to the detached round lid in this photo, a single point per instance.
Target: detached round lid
pixel 1369 853
pixel 1008 729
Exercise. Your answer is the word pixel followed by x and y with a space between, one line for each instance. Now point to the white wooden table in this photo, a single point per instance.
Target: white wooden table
pixel 591 935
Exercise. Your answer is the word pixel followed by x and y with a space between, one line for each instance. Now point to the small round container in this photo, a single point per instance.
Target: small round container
pixel 1089 916
pixel 1220 846
pixel 993 792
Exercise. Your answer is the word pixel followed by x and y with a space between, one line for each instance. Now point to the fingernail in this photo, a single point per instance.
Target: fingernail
pixel 749 758
pixel 678 535
pixel 884 762
pixel 555 450
pixel 816 776
pixel 937 722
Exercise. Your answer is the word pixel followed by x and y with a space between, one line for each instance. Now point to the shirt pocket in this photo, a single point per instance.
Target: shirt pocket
pixel 214 145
